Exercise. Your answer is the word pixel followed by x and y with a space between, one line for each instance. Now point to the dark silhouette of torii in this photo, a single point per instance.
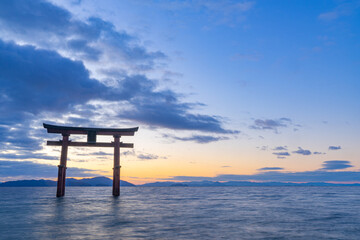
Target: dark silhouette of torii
pixel 91 142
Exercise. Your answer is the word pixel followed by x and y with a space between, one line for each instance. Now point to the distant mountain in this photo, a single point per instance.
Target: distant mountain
pixel 71 182
pixel 29 183
pixel 104 181
pixel 238 184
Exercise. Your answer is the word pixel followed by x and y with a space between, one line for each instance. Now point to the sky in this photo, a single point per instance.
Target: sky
pixel 220 90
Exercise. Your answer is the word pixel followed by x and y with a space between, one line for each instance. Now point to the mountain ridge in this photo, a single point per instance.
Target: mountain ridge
pixel 70 182
pixel 107 182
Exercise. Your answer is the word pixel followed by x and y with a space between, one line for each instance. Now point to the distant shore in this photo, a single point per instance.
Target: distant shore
pixel 107 182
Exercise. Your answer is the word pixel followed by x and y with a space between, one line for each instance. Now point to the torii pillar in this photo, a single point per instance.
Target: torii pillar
pixel 116 172
pixel 91 142
pixel 62 167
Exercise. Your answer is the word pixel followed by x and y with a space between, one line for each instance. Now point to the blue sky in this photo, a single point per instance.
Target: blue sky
pixel 218 88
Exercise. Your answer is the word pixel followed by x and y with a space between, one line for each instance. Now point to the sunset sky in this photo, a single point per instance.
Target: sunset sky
pixel 220 90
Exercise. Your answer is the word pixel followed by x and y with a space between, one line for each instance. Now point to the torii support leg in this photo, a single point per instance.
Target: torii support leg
pixel 62 167
pixel 116 176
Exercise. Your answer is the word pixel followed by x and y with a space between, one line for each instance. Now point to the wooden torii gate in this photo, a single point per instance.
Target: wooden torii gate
pixel 91 142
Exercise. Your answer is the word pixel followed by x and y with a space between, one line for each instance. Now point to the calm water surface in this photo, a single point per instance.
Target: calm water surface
pixel 181 213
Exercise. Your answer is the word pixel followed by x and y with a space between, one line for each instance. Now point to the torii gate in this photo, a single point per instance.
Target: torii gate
pixel 91 142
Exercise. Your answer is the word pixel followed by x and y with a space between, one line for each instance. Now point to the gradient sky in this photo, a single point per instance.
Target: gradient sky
pixel 221 90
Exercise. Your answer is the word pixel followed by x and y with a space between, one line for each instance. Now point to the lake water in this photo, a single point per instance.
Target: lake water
pixel 181 213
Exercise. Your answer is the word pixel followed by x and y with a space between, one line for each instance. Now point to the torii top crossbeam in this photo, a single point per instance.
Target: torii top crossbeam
pixel 86 130
pixel 91 142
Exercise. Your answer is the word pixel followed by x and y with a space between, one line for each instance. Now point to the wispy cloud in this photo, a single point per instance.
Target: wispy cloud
pixel 270 169
pixel 226 12
pixel 263 148
pixel 197 138
pixel 227 6
pixel 27 155
pixel 345 8
pixel 322 175
pixel 302 151
pixel 147 156
pixel 281 153
pixel 270 124
pixel 334 147
pixel 141 156
pixel 128 153
pixel 336 164
pixel 280 148
pixel 277 176
pixel 101 153
pixel 29 170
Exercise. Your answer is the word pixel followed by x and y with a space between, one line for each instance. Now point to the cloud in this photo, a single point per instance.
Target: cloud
pixel 29 170
pixel 318 153
pixel 163 109
pixel 142 156
pixel 147 156
pixel 270 169
pixel 336 164
pixel 270 124
pixel 128 153
pixel 281 153
pixel 302 151
pixel 52 27
pixel 35 81
pixel 343 9
pixel 197 138
pixel 223 6
pixel 321 175
pixel 328 16
pixel 225 12
pixel 27 155
pixel 334 147
pixel 15 135
pixel 263 148
pixel 101 153
pixel 309 176
pixel 280 148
